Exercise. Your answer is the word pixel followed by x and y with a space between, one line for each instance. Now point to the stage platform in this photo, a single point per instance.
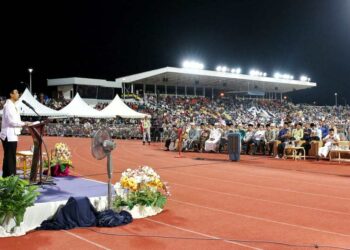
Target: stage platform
pixel 71 186
pixel 53 196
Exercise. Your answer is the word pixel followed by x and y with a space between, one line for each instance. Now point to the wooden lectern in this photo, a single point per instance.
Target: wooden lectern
pixel 37 132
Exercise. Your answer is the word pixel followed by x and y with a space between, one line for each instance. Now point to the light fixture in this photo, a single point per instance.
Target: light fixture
pixel 192 65
pixel 255 72
pixel 304 78
pixel 277 75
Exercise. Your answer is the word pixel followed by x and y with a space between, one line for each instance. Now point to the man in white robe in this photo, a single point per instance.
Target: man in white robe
pixel 214 139
pixel 328 141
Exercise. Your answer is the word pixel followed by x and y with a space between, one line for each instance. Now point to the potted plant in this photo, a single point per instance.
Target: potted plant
pixel 15 196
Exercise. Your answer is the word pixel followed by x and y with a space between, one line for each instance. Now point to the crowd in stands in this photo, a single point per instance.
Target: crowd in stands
pixel 205 123
pixel 262 124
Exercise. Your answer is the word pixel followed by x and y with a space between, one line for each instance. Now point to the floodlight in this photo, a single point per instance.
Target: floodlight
pixel 303 78
pixel 192 65
pixel 277 75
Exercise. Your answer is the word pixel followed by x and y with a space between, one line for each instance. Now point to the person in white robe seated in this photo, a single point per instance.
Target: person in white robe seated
pixel 212 143
pixel 328 141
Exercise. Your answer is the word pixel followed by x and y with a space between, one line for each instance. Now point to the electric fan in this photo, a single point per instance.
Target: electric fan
pixel 101 146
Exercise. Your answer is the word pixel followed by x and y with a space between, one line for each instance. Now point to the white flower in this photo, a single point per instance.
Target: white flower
pixel 117 186
pixel 138 179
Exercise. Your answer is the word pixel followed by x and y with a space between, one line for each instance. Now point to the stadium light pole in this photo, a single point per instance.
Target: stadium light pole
pixel 336 101
pixel 30 79
pixel 344 99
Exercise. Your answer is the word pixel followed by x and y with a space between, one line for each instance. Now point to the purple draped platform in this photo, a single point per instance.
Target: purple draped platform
pixel 71 186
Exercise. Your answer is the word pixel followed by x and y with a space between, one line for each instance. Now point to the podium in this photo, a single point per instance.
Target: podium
pixel 37 130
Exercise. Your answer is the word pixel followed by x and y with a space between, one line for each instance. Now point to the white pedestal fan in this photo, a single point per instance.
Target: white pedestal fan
pixel 102 146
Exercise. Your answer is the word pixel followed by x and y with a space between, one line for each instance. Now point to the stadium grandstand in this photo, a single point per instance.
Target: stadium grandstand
pixel 172 81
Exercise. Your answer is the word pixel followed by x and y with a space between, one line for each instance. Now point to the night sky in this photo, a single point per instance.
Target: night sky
pixel 109 39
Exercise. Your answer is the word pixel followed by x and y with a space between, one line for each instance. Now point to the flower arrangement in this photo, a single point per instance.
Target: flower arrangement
pixel 60 160
pixel 141 186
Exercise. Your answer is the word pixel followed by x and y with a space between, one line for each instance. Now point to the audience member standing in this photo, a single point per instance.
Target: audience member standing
pixel 146 125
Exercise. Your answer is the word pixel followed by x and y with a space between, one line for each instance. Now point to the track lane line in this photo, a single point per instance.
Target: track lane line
pixel 86 240
pixel 257 199
pixel 258 186
pixel 201 234
pixel 260 218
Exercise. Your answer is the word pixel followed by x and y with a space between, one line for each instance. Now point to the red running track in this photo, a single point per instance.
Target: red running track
pixel 214 202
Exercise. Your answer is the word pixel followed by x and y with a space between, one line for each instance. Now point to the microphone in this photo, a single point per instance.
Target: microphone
pixel 28 105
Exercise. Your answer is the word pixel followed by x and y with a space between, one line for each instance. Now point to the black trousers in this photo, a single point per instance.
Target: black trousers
pixel 9 161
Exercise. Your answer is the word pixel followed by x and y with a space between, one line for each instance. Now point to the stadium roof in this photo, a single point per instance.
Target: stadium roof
pixel 223 80
pixel 82 81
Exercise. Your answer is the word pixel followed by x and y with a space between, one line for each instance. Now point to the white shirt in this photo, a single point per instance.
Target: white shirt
pixel 328 139
pixel 259 135
pixel 11 122
pixel 146 124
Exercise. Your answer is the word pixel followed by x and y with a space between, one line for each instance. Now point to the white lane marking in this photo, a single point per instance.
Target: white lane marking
pixel 258 186
pixel 86 240
pixel 201 234
pixel 261 219
pixel 256 199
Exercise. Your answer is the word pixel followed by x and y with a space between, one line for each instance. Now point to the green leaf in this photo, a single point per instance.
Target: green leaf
pixel 15 196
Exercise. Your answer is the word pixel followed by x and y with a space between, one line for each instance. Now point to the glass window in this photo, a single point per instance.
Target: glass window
pixel 208 92
pixel 105 93
pixel 160 89
pixel 150 89
pixel 180 90
pixel 87 91
pixel 190 90
pixel 171 90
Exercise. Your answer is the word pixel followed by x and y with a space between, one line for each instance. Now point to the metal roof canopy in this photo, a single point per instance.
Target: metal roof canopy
pixel 82 81
pixel 171 76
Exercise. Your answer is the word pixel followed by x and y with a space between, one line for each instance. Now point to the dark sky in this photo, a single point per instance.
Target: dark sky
pixel 109 39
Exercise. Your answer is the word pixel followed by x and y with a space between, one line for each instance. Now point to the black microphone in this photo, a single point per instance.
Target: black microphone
pixel 27 104
pixel 30 106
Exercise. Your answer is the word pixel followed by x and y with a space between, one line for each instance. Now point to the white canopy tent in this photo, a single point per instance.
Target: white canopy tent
pixel 39 108
pixel 78 108
pixel 118 108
